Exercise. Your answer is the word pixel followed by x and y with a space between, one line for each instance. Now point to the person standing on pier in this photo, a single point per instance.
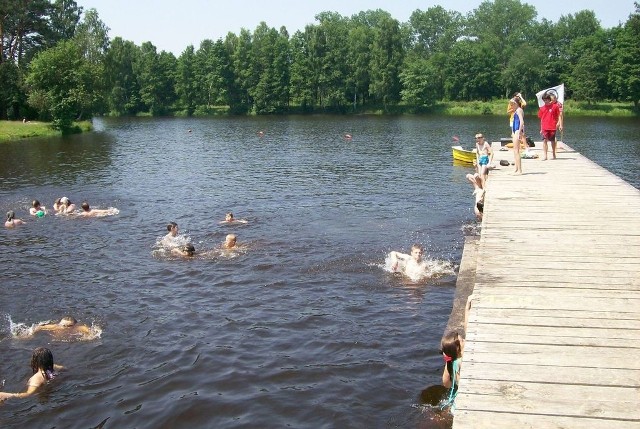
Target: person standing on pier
pixel 517 128
pixel 550 121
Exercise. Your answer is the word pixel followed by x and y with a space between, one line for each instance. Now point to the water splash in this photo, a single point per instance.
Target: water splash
pixel 429 268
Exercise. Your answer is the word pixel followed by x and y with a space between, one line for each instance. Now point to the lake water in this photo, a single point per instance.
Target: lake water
pixel 304 327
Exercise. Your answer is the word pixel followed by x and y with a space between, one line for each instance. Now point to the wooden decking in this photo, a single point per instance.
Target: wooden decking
pixel 553 339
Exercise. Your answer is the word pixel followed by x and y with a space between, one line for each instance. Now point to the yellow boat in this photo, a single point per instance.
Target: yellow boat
pixel 463 155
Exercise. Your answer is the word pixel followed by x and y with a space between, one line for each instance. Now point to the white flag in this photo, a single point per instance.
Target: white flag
pixel 558 91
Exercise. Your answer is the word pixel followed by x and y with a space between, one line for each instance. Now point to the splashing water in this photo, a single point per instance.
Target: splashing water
pixel 428 268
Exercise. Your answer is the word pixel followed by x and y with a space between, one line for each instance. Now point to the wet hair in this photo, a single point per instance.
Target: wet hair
pixel 171 225
pixel 70 319
pixel 188 249
pixel 35 203
pixel 230 238
pixel 85 206
pixel 480 206
pixel 452 347
pixel 10 215
pixel 42 360
pixel 229 215
pixel 417 246
pixel 58 201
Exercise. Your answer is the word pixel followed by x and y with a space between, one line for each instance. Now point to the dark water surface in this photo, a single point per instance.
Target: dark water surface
pixel 305 328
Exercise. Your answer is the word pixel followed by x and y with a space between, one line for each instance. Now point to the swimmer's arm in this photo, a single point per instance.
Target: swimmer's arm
pixel 394 258
pixel 397 255
pixel 31 389
pixel 58 367
pixel 47 327
pixel 83 329
pixel 446 379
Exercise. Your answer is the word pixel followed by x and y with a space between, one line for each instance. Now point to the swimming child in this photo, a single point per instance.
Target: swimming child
pixel 410 265
pixel 88 211
pixel 12 221
pixel 230 241
pixel 169 240
pixel 66 325
pixel 228 218
pixel 44 370
pixel 66 206
pixel 37 209
pixel 187 250
pixel 451 348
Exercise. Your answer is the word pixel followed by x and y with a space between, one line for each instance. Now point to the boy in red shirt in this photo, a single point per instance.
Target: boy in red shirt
pixel 550 121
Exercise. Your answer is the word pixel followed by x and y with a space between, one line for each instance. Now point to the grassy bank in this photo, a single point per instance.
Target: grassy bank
pixel 571 108
pixel 16 130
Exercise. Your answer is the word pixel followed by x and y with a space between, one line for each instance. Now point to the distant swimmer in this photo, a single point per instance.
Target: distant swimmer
pixel 44 370
pixel 228 218
pixel 88 211
pixel 260 133
pixel 67 325
pixel 12 221
pixel 348 137
pixel 66 206
pixel 170 239
pixel 187 250
pixel 410 265
pixel 37 209
pixel 230 241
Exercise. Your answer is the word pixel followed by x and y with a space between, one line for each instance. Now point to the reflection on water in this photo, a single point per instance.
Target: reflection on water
pixel 306 328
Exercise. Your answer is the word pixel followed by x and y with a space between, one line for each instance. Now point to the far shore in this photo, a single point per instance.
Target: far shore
pixel 18 130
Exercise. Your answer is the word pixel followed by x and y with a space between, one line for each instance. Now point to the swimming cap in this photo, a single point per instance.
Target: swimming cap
pixel 40 213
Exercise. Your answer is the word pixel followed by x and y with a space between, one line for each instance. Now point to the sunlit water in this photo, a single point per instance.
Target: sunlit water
pixel 304 326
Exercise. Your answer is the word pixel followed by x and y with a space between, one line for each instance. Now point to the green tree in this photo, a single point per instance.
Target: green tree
pixel 588 76
pixel 503 24
pixel 301 77
pixel 123 91
pixel 64 18
pixel 524 72
pixel 186 83
pixel 624 75
pixel 471 72
pixel 386 60
pixel 269 61
pixel 434 30
pixel 61 84
pixel 155 73
pixel 244 76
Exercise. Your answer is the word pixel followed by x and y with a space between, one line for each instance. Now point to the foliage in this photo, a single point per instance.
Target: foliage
pixel 61 83
pixel 362 63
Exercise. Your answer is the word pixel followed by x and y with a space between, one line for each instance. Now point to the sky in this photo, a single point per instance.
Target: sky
pixel 173 25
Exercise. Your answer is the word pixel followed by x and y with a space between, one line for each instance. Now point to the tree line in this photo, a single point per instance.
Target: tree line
pixel 58 63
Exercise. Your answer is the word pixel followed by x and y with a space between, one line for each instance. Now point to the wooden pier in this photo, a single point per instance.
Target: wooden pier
pixel 553 339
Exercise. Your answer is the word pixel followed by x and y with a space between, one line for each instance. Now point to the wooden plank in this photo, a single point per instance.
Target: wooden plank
pixel 556 292
pixel 556 399
pixel 554 330
pixel 499 371
pixel 551 334
pixel 631 306
pixel 544 317
pixel 551 356
pixel 481 419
